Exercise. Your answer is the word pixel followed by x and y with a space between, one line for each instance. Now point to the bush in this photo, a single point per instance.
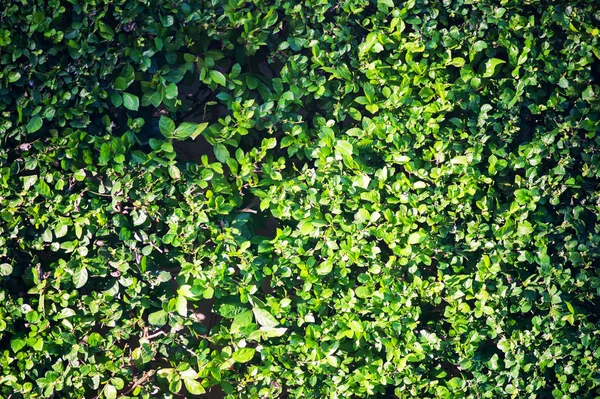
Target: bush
pixel 399 199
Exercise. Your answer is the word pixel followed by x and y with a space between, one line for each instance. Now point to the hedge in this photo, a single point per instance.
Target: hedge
pixel 392 199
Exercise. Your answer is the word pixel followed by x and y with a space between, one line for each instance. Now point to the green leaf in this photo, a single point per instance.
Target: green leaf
pixel 167 373
pixel 65 313
pixel 235 71
pixel 166 126
pixel 344 148
pixel 570 307
pixel 387 3
pixel 80 175
pixel 43 188
pixel 167 147
pixel 242 320
pixel 306 227
pixel 139 217
pixel 460 160
pixel 457 62
pixel 106 32
pixel 131 102
pixel 125 78
pixel 479 45
pixel 218 77
pixel 181 305
pixel 588 94
pixel 110 392
pixel 105 154
pixel 369 90
pixel 252 82
pixel 189 130
pixel 187 374
pixel 158 318
pixel 60 230
pixel 175 385
pixel 231 310
pixel 6 269
pixel 324 268
pixel 297 43
pixel 80 277
pixel 442 392
pixel 362 292
pixel 34 124
pixel 243 355
pixel 273 332
pixel 121 83
pixel 490 67
pixel 362 216
pixel 29 181
pixel 523 196
pixel 414 238
pixel 525 228
pixel 174 172
pixel 94 339
pixel 194 387
pixel 171 91
pixel 47 236
pixel 17 344
pixel 221 152
pixel 38 345
pixel 116 99
pixel 13 76
pixel 208 293
pixel 167 20
pixel 264 318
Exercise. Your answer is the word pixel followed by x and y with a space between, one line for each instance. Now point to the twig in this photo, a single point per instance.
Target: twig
pixel 139 382
pixel 161 332
pixel 247 210
pixel 155 247
pixel 104 195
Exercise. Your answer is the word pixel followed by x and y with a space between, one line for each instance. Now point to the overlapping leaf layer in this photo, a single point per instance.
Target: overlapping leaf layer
pixel 390 199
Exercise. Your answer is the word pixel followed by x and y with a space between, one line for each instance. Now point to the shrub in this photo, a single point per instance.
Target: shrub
pixel 431 170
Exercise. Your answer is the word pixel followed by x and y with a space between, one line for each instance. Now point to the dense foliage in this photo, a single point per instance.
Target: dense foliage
pixel 431 167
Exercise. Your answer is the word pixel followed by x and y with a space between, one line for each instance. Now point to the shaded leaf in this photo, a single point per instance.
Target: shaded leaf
pixel 34 124
pixel 221 152
pixel 158 318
